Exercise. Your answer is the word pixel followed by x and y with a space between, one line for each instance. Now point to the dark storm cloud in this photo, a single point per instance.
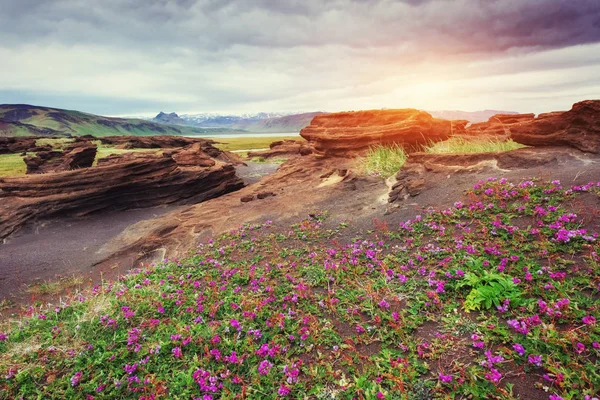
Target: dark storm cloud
pixel 439 25
pixel 282 54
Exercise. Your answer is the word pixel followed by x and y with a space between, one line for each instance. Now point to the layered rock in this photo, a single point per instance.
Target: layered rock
pixel 118 182
pixel 578 128
pixel 498 126
pixel 423 170
pixel 354 132
pixel 150 142
pixel 284 149
pixel 80 154
pixel 16 145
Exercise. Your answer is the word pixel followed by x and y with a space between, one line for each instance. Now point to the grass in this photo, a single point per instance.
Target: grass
pixel 384 160
pixel 250 143
pixel 12 165
pixel 268 311
pixel 459 144
pixel 55 287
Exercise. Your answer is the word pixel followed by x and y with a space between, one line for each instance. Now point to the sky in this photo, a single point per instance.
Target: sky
pixel 138 57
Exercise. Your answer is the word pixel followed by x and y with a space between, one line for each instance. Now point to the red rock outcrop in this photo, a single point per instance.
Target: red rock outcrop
pixel 498 126
pixel 80 154
pixel 131 180
pixel 193 156
pixel 423 170
pixel 355 132
pixel 151 142
pixel 284 149
pixel 578 128
pixel 14 145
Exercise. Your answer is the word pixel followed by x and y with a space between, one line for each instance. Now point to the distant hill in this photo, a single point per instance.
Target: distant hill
pixel 471 116
pixel 28 120
pixel 257 123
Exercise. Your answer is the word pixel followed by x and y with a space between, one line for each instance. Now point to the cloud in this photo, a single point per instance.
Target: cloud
pixel 285 54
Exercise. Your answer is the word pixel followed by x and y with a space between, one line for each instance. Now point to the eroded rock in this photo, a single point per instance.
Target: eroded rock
pixel 284 149
pixel 349 133
pixel 77 155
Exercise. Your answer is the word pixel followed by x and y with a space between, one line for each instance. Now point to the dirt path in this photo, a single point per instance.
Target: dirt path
pixel 61 247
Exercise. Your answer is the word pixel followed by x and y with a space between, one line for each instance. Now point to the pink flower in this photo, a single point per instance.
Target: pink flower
pixel 176 352
pixel 589 320
pixel 283 390
pixel 380 395
pixel 519 349
pixel 445 378
pixel 535 360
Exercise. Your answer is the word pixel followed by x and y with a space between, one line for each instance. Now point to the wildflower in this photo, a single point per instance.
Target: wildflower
pixel 380 395
pixel 535 360
pixel 384 304
pixel 494 375
pixel 519 349
pixel 589 320
pixel 3 336
pixel 264 367
pixel 283 390
pixel 445 378
pixel 176 352
pixel 75 379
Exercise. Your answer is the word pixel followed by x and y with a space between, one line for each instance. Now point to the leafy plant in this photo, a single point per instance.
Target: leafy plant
pixel 489 289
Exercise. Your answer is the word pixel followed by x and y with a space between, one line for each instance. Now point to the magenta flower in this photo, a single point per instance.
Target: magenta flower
pixel 535 360
pixel 283 390
pixel 494 375
pixel 176 352
pixel 519 349
pixel 445 378
pixel 264 367
pixel 75 379
pixel 3 336
pixel 589 320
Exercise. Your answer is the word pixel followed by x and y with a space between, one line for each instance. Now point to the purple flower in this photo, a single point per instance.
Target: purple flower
pixel 283 390
pixel 519 349
pixel 494 375
pixel 384 304
pixel 589 320
pixel 535 360
pixel 75 379
pixel 264 367
pixel 3 336
pixel 445 378
pixel 176 352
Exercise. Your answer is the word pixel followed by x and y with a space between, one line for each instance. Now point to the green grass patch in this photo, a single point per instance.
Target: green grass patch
pixel 464 145
pixel 12 165
pixel 250 143
pixel 55 287
pixel 385 160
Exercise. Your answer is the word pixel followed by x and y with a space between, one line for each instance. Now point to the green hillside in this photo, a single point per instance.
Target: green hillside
pixel 27 120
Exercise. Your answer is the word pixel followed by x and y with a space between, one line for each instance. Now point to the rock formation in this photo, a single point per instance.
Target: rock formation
pixel 284 149
pixel 150 142
pixel 131 180
pixel 15 145
pixel 498 126
pixel 423 170
pixel 80 154
pixel 578 128
pixel 354 132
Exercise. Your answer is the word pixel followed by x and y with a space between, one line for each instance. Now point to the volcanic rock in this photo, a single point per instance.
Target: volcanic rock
pixel 15 145
pixel 193 156
pixel 284 149
pixel 118 182
pixel 578 128
pixel 348 133
pixel 423 170
pixel 498 126
pixel 151 142
pixel 78 155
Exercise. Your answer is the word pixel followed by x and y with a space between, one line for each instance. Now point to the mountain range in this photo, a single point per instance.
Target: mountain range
pixel 28 120
pixel 261 122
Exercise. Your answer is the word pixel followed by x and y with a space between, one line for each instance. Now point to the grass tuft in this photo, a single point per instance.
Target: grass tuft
pixel 385 160
pixel 55 287
pixel 459 144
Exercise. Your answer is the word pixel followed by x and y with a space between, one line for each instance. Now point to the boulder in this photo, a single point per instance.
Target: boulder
pixel 193 156
pixel 284 149
pixel 79 154
pixel 132 180
pixel 578 128
pixel 349 133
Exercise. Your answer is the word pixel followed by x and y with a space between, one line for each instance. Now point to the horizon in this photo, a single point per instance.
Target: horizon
pixel 138 58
